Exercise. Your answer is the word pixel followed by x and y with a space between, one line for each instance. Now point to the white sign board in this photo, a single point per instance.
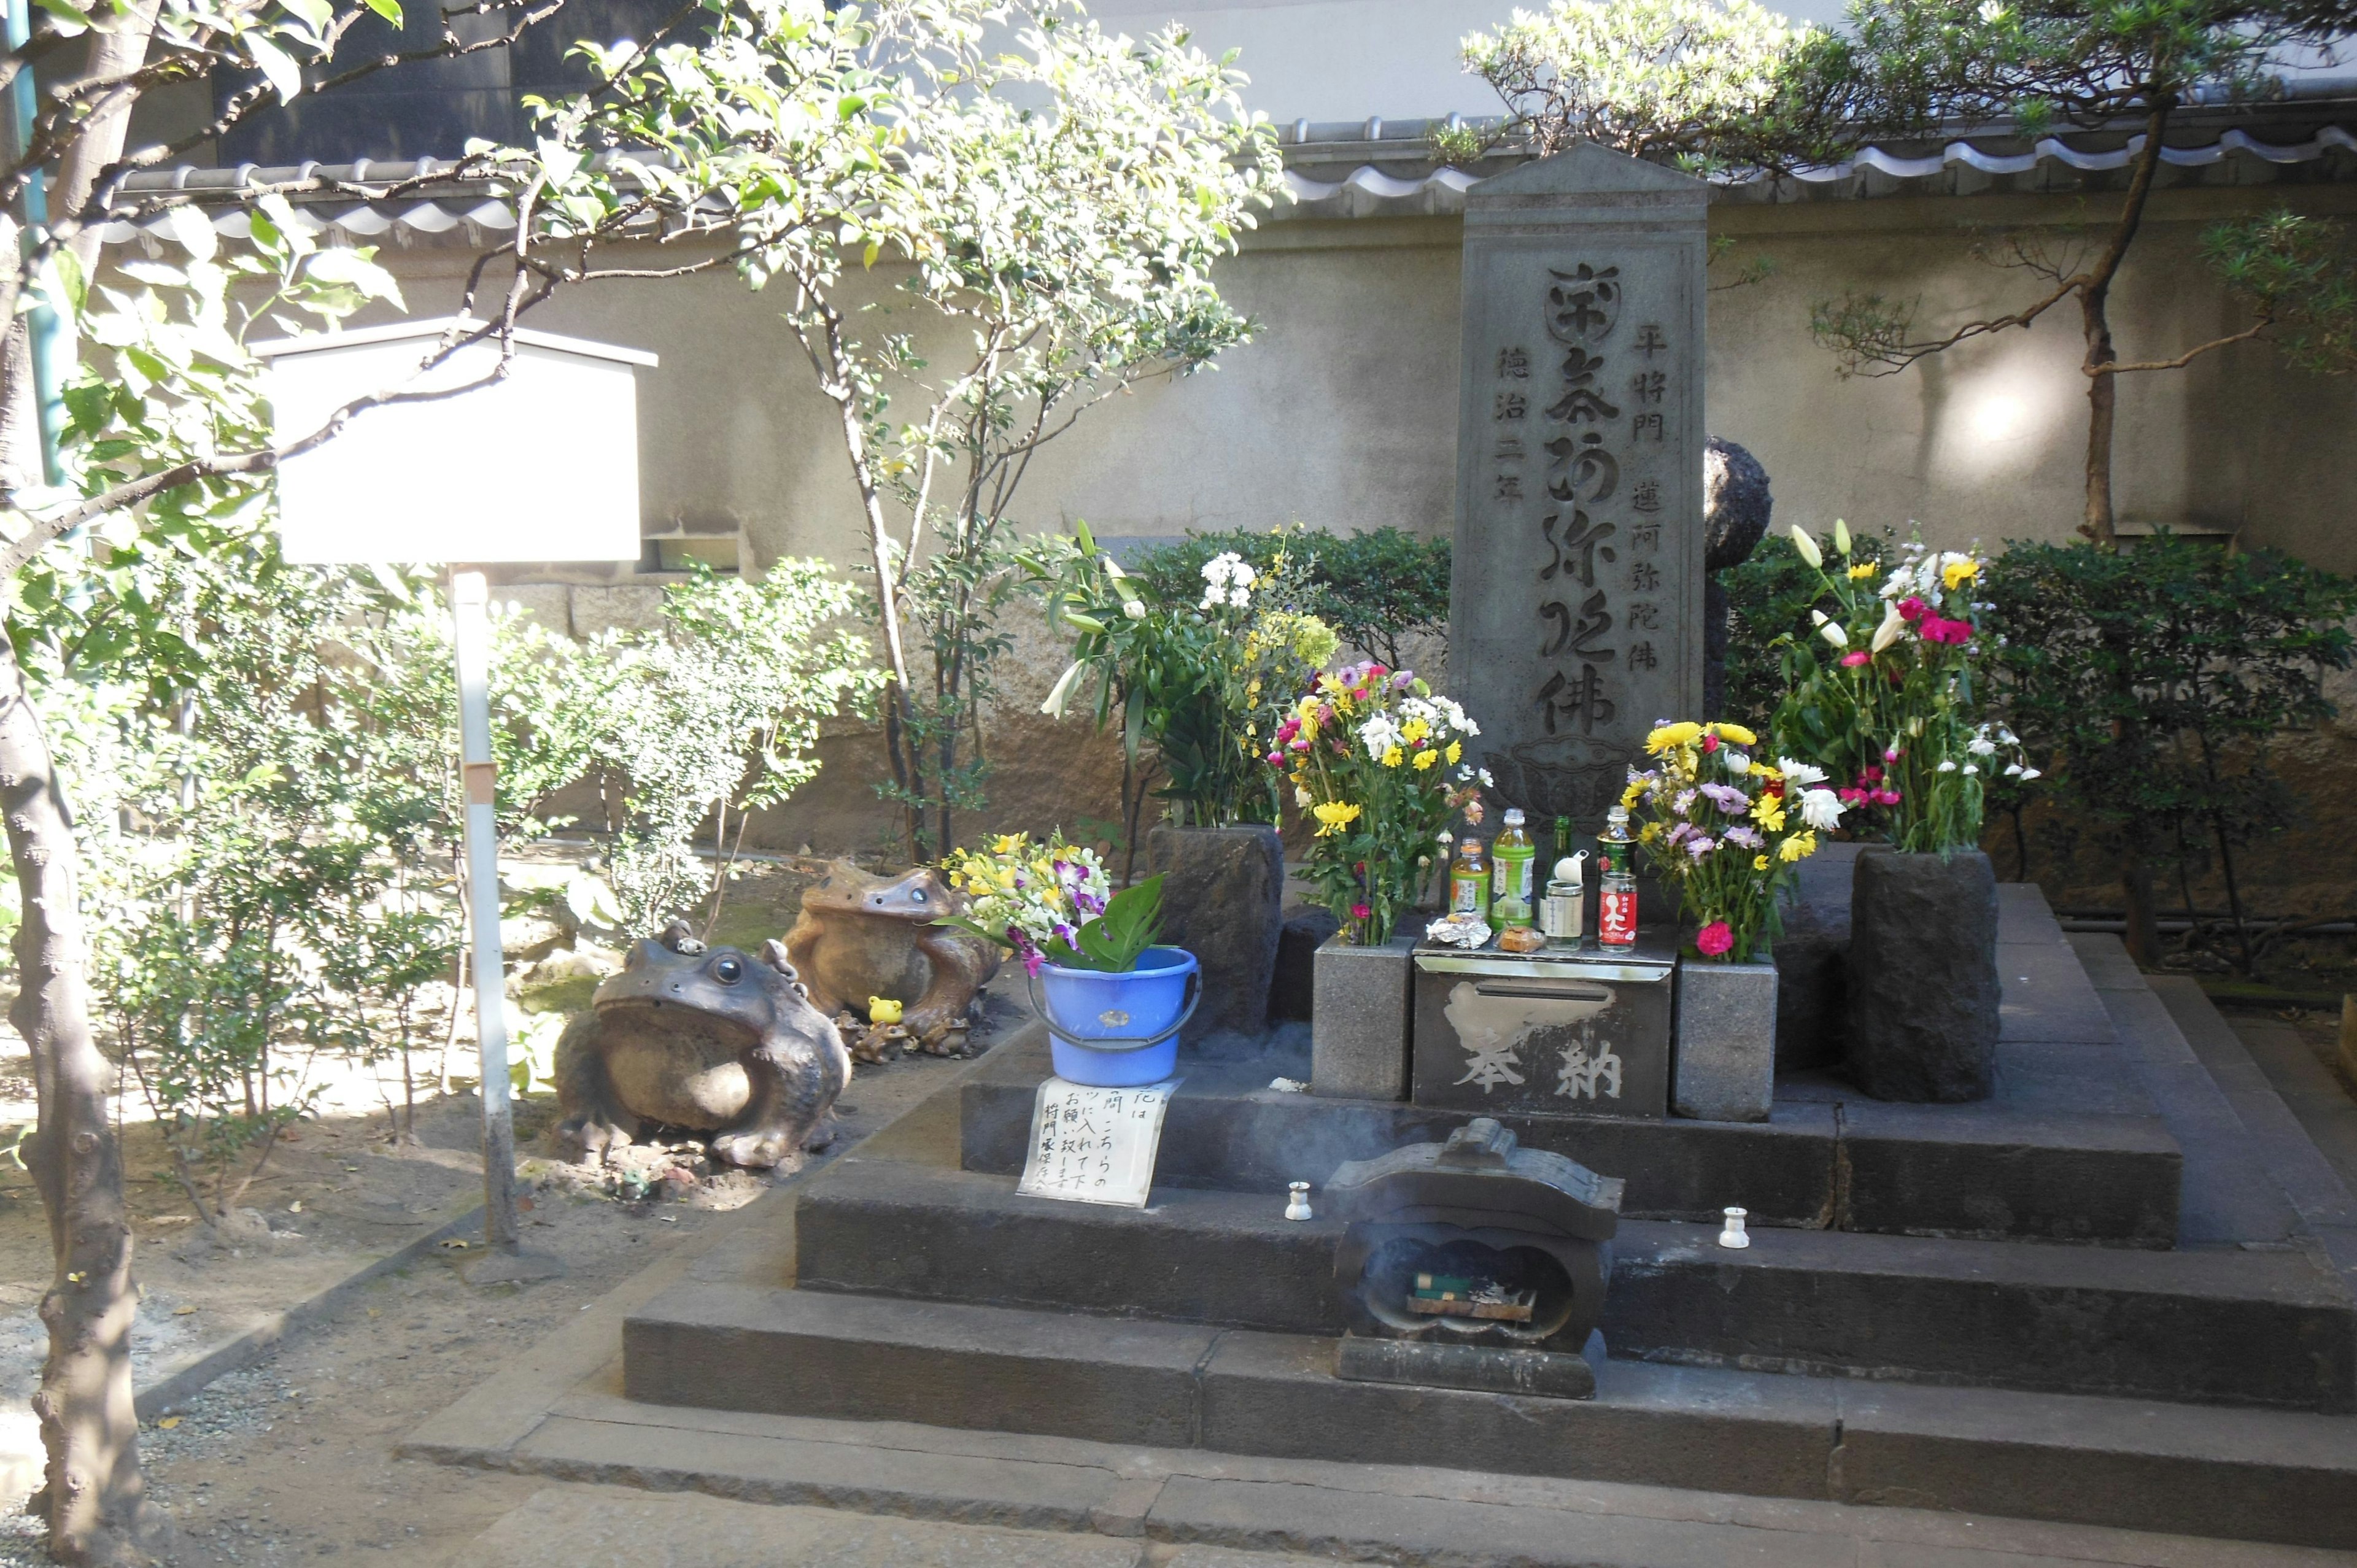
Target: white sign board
pixel 542 465
pixel 1094 1145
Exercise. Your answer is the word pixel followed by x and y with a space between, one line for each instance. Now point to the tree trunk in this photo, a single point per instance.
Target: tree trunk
pixel 2143 934
pixel 2094 298
pixel 94 1500
pixel 2103 412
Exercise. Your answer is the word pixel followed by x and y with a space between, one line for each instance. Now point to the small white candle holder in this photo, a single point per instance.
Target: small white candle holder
pixel 1296 1200
pixel 1734 1234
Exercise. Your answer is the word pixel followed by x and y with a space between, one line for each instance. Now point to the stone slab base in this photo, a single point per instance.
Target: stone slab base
pixel 2250 1328
pixel 1422 1363
pixel 768 1356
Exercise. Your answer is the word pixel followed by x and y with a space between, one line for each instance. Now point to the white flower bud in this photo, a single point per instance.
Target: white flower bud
pixel 1807 546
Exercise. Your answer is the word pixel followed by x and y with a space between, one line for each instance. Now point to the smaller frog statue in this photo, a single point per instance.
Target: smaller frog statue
pixel 865 939
pixel 713 1039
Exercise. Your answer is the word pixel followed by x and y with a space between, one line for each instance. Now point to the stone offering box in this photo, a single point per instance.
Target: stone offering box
pixel 1559 1031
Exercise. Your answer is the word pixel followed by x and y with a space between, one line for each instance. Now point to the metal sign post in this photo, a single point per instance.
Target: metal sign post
pixel 471 634
pixel 525 454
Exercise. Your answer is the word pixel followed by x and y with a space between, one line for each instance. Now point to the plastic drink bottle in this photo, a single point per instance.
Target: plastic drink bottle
pixel 1469 878
pixel 1510 859
pixel 1616 915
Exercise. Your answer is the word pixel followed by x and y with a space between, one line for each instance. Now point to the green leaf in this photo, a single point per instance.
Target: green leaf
pixel 276 66
pixel 388 9
pixel 192 230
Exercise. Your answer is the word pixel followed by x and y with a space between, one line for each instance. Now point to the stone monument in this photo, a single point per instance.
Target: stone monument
pixel 1575 608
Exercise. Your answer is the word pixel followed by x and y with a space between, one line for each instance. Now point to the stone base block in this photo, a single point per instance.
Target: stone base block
pixel 1726 1068
pixel 1550 1374
pixel 1357 1025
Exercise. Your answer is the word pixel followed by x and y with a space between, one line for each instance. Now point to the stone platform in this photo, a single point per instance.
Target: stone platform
pixel 2134 1306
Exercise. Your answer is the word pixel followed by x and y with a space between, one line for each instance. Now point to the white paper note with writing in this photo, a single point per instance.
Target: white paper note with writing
pixel 1094 1145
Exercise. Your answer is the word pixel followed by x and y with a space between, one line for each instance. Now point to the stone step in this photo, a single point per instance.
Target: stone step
pixel 2227 1325
pixel 2251 1475
pixel 2074 1153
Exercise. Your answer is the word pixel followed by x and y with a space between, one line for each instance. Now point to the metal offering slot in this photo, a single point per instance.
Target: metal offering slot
pixel 1540 990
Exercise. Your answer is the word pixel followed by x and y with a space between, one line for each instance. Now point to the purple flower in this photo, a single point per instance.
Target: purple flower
pixel 1749 837
pixel 1680 833
pixel 1700 846
pixel 1727 799
pixel 1682 802
pixel 1088 902
pixel 1065 933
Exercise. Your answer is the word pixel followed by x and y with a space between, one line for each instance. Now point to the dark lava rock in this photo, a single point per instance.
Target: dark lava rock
pixel 1222 900
pixel 1922 977
pixel 1306 926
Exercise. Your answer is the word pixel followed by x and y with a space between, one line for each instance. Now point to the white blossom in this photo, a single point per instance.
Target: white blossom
pixel 1821 809
pixel 1799 775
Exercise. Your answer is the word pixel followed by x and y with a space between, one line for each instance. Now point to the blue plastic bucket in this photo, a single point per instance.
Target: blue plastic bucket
pixel 1083 1004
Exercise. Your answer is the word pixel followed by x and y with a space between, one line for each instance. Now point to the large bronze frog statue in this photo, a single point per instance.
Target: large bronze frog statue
pixel 861 937
pixel 709 1038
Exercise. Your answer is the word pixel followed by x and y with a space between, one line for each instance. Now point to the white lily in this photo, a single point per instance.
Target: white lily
pixel 1841 537
pixel 1807 546
pixel 1054 706
pixel 1893 623
pixel 1831 630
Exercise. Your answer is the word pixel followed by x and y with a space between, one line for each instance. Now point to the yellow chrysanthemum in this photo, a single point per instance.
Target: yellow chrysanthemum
pixel 1393 756
pixel 1672 735
pixel 1863 570
pixel 1006 844
pixel 1333 816
pixel 1649 832
pixel 1734 732
pixel 1956 573
pixel 1768 812
pixel 1630 796
pixel 1455 750
pixel 1416 731
pixel 1425 760
pixel 1758 863
pixel 1800 847
pixel 1761 771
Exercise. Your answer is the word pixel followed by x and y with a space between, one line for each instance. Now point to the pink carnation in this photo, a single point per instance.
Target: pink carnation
pixel 1713 939
pixel 1360 911
pixel 1912 608
pixel 1856 657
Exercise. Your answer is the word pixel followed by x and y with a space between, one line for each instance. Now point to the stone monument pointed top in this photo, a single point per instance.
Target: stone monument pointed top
pixel 1589 169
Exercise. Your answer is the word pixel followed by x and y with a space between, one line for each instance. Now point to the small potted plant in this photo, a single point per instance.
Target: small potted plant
pixel 1726 829
pixel 1113 1001
pixel 1891 703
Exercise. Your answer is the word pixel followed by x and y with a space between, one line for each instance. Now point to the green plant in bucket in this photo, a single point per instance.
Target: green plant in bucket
pixel 1052 904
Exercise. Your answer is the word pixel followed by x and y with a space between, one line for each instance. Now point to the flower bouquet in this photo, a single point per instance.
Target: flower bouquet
pixel 1114 1002
pixel 1051 903
pixel 1726 829
pixel 1378 761
pixel 1890 703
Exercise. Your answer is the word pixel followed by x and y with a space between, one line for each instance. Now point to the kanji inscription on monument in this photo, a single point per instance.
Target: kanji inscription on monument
pixel 1576 603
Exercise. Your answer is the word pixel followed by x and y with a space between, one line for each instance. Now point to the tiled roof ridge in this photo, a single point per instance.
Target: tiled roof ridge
pixel 356 198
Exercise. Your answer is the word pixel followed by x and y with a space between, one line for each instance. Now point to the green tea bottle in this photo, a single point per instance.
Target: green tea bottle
pixel 1469 878
pixel 1511 856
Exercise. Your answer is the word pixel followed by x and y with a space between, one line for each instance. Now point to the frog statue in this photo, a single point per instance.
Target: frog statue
pixel 709 1038
pixel 861 937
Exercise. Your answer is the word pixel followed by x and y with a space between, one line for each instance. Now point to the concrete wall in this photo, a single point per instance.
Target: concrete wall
pixel 1342 415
